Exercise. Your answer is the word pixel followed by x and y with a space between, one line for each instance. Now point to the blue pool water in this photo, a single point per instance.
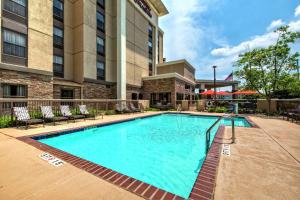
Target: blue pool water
pixel 166 151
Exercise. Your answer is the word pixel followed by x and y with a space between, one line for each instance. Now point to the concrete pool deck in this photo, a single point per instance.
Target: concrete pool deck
pixel 264 164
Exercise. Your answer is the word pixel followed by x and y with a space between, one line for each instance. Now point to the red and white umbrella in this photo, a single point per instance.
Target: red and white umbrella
pixel 245 92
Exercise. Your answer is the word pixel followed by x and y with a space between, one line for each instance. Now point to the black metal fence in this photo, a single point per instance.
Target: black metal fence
pixel 95 106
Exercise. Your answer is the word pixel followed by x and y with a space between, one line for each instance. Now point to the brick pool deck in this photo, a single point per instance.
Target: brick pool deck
pixel 264 164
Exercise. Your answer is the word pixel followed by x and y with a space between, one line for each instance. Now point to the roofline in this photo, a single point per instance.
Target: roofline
pixel 176 62
pixel 160 7
pixel 217 81
pixel 169 75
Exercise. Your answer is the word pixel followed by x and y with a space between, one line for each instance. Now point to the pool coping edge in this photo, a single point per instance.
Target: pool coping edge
pixel 203 187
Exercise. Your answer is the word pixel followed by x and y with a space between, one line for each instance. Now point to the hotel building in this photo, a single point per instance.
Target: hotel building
pixel 88 49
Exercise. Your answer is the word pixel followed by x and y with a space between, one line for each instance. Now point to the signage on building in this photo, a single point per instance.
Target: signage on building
pixel 144 6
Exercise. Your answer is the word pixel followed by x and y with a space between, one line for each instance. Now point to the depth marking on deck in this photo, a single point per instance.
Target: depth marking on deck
pixel 226 150
pixel 51 159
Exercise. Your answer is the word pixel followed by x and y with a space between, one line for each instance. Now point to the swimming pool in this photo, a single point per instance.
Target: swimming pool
pixel 166 151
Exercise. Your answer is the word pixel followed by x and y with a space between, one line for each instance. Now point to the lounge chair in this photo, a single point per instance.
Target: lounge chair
pixel 83 110
pixel 22 116
pixel 48 115
pixel 133 108
pixel 122 109
pixel 65 111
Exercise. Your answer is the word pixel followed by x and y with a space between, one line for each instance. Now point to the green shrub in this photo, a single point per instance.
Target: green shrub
pixel 211 110
pixel 110 112
pixel 172 109
pixel 152 109
pixel 5 122
pixel 221 110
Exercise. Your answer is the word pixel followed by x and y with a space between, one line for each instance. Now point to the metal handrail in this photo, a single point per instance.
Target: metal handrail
pixel 208 133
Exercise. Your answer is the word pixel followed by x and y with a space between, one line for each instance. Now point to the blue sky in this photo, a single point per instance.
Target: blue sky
pixel 215 32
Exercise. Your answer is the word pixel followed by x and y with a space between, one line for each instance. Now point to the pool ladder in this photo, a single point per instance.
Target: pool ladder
pixel 212 126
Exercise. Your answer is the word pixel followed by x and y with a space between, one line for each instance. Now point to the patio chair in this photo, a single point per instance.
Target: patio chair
pixel 122 109
pixel 65 111
pixel 133 108
pixel 293 114
pixel 48 115
pixel 83 110
pixel 22 116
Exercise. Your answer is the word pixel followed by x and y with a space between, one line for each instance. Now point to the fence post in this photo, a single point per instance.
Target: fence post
pixel 11 112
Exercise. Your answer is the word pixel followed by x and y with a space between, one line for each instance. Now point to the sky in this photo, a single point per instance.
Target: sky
pixel 215 32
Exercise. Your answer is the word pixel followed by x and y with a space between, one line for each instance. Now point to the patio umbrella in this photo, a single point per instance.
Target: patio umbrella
pixel 223 93
pixel 208 92
pixel 246 92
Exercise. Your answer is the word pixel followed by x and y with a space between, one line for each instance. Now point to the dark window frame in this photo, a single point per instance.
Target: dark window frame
pixel 65 91
pixel 61 73
pixel 99 22
pixel 57 38
pixel 5 4
pixel 15 85
pixel 101 5
pixel 58 13
pixel 99 52
pixel 99 77
pixel 4 44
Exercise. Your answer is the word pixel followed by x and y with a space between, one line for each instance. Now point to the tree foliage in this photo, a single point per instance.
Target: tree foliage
pixel 268 70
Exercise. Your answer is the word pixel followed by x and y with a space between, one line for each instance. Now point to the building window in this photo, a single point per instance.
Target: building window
pixel 17 7
pixel 67 94
pixel 179 96
pixel 100 21
pixel 58 66
pixel 100 70
pixel 58 36
pixel 150 49
pixel 134 96
pixel 14 43
pixel 14 91
pixel 100 46
pixel 58 9
pixel 101 3
pixel 187 87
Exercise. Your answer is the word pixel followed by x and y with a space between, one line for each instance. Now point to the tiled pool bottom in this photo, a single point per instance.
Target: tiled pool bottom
pixel 153 150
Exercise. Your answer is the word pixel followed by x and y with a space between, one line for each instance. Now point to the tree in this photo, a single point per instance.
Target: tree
pixel 267 70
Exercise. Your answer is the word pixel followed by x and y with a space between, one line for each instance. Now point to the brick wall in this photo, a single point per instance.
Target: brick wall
pixel 57 91
pixel 39 86
pixel 99 91
pixel 159 86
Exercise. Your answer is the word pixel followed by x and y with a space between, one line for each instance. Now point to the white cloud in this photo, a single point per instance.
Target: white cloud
pixel 259 41
pixel 297 11
pixel 275 24
pixel 184 35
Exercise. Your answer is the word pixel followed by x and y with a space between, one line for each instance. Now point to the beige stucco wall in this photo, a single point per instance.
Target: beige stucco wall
pixel 137 44
pixel 110 42
pixel 68 40
pixel 181 68
pixel 77 22
pixel 89 39
pixel 161 47
pixel 188 73
pixel 40 32
pixel 178 68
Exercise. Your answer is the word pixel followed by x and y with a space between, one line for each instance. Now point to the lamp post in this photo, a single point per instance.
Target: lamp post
pixel 215 89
